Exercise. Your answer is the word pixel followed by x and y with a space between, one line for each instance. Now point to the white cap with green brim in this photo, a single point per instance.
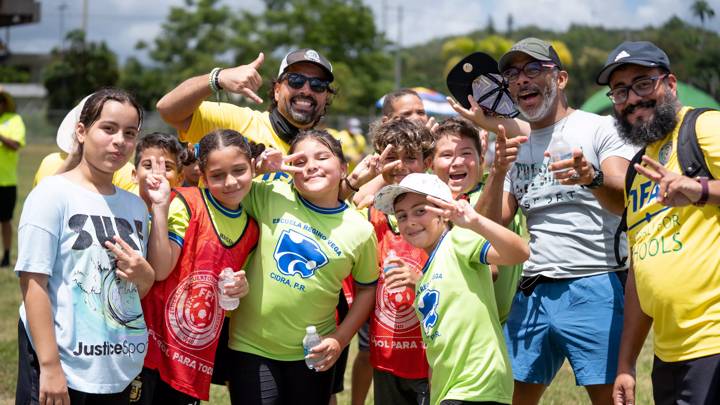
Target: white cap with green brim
pixel 420 183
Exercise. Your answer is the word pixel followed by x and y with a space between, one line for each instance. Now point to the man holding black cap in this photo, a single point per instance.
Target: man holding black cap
pixel 673 232
pixel 569 304
pixel 300 96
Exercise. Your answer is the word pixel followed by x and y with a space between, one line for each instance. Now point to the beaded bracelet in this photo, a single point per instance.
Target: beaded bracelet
pixel 215 82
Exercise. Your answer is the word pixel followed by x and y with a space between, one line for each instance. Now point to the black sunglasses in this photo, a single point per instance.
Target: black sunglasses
pixel 297 81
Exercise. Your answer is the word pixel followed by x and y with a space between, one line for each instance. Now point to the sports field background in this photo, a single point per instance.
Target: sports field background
pixel 562 392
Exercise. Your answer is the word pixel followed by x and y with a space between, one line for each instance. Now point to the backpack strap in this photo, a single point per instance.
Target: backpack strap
pixel 622 226
pixel 689 152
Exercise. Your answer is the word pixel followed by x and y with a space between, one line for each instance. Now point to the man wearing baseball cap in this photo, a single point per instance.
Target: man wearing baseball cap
pixel 300 95
pixel 673 232
pixel 569 303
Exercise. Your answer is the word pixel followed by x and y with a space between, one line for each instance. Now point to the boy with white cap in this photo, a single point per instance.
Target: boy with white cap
pixel 455 300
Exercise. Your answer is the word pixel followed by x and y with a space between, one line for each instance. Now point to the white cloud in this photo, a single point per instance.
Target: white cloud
pixel 121 23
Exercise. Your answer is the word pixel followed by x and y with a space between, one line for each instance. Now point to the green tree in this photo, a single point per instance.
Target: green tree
pixel 11 74
pixel 342 30
pixel 702 10
pixel 78 71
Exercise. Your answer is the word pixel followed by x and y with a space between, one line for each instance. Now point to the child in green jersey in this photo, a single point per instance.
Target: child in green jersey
pixel 458 161
pixel 455 297
pixel 309 243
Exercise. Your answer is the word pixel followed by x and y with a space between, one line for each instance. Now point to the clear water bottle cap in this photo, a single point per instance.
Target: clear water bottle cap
pixel 310 329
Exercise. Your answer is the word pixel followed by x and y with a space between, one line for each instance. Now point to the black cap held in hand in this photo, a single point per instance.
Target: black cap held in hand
pixel 477 75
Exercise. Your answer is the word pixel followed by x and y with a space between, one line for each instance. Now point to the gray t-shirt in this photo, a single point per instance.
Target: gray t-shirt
pixel 571 235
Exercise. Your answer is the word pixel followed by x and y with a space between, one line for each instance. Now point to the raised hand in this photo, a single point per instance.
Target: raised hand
pixel 156 184
pixel 130 264
pixel 475 113
pixel 369 168
pixel 675 190
pixel 573 171
pixel 272 160
pixel 243 79
pixel 431 124
pixel 388 166
pixel 506 150
pixel 460 212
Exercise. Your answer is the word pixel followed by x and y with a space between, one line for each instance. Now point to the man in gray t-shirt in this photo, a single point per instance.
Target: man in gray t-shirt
pixel 571 302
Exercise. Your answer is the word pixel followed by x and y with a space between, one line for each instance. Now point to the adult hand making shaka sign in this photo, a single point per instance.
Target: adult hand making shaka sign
pixel 243 79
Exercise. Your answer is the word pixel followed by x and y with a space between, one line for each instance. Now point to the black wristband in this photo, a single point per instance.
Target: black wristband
pixel 347 181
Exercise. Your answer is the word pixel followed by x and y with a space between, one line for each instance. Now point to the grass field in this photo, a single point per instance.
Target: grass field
pixel 562 392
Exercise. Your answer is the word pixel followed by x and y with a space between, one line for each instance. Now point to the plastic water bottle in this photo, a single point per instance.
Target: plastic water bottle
pixel 227 276
pixel 388 265
pixel 310 340
pixel 559 150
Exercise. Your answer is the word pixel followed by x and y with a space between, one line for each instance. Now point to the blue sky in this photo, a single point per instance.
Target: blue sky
pixel 121 23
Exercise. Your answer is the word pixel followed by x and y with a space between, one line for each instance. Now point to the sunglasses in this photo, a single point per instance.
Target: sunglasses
pixel 297 81
pixel 531 70
pixel 641 87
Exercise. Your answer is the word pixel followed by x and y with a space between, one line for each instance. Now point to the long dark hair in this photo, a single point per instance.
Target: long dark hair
pixel 93 106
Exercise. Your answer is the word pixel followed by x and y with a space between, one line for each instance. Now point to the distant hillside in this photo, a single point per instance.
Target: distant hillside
pixel 694 55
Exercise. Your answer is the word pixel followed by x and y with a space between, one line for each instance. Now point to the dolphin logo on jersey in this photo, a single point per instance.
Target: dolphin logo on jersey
pixel 295 253
pixel 427 305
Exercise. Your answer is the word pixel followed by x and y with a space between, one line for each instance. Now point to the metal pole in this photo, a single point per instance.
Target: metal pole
pixel 398 47
pixel 85 18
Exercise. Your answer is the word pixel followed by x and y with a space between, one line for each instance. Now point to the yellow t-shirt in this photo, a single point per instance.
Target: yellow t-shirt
pixel 676 255
pixel 254 125
pixel 51 163
pixel 12 127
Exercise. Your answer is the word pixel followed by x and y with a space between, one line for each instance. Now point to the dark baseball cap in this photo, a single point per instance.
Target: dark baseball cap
pixel 533 47
pixel 306 55
pixel 641 53
pixel 477 75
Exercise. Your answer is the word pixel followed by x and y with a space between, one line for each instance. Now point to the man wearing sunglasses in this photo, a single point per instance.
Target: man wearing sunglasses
pixel 569 303
pixel 299 97
pixel 673 234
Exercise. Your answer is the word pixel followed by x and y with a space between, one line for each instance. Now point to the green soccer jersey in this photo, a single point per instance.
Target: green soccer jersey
pixel 508 276
pixel 455 302
pixel 296 272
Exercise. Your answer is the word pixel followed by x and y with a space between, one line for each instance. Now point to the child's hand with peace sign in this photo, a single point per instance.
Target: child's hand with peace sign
pixel 131 266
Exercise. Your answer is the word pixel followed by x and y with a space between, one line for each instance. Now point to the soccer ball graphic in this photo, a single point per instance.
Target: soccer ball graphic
pixel 199 309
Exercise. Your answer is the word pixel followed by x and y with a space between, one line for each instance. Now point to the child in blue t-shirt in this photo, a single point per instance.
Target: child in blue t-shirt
pixel 82 241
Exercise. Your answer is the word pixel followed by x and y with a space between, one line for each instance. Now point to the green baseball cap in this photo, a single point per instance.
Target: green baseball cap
pixel 533 47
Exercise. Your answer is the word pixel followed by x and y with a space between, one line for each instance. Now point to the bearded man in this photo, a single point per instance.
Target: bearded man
pixel 570 299
pixel 299 98
pixel 673 233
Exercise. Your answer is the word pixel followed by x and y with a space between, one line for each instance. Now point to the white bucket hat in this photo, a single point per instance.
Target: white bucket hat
pixel 420 183
pixel 65 137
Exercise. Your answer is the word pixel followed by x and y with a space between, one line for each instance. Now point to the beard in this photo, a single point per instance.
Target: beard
pixel 303 117
pixel 548 94
pixel 643 133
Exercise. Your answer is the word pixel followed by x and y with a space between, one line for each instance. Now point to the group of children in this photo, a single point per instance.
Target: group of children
pixel 121 294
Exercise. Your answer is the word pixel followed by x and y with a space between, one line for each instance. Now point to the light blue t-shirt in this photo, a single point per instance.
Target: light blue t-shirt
pixel 98 320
